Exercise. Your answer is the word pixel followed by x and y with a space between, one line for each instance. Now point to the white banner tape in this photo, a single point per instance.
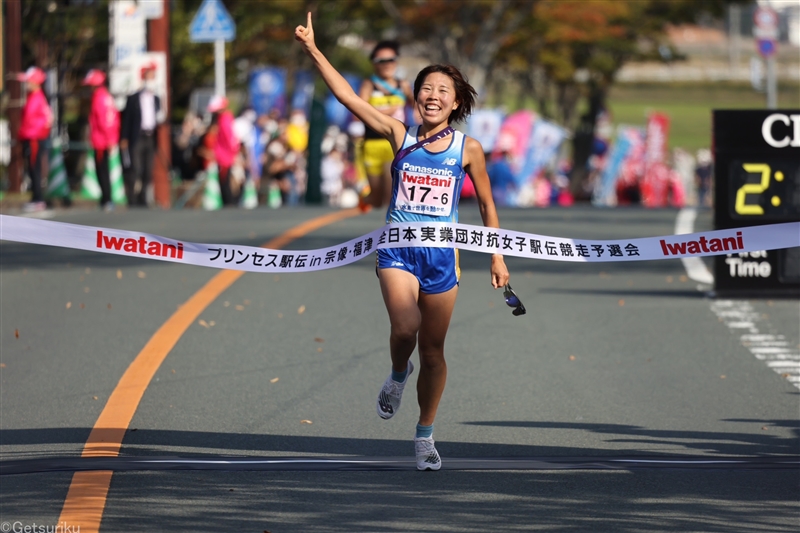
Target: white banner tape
pixel 418 234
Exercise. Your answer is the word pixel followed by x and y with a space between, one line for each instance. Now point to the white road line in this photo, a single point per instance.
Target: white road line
pixel 779 357
pixel 695 268
pixel 740 316
pixel 769 349
pixel 765 339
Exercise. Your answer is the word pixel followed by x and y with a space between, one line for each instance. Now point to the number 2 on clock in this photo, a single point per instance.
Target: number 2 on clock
pixel 741 206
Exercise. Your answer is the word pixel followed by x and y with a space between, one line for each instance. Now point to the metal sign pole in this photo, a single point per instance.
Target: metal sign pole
pixel 772 89
pixel 219 67
pixel 765 30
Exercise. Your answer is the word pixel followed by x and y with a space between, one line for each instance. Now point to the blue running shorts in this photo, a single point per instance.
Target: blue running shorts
pixel 436 268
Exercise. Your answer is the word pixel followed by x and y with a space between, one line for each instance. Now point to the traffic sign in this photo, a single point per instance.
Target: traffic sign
pixel 212 23
pixel 766 47
pixel 765 30
pixel 766 23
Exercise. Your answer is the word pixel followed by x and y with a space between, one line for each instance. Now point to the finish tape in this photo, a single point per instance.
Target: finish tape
pixel 399 235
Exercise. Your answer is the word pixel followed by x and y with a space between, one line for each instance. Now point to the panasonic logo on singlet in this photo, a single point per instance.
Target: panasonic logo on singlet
pixel 427 170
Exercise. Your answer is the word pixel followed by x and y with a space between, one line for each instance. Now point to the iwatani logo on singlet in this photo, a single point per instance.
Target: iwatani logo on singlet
pixel 426 190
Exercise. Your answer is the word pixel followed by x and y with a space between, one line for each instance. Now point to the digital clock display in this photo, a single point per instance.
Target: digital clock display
pixel 764 188
pixel 756 183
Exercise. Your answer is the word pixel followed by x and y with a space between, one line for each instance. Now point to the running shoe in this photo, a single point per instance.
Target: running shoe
pixel 363 206
pixel 34 207
pixel 427 456
pixel 390 395
pixel 363 192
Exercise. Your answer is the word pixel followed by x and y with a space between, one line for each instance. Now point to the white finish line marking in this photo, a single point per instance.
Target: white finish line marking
pixel 695 268
pixel 739 315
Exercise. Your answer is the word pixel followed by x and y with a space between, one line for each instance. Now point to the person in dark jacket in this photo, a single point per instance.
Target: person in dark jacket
pixel 138 137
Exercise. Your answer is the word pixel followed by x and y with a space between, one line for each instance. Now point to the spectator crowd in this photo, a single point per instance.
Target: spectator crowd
pixel 267 154
pixel 270 150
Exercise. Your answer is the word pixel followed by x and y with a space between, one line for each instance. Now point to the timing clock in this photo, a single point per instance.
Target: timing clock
pixel 756 182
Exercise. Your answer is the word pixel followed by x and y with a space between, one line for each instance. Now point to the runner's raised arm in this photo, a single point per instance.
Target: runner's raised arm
pixel 390 128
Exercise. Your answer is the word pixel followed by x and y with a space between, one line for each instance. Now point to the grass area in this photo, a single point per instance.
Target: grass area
pixel 689 106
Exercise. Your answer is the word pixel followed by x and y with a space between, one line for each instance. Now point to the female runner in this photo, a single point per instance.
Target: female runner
pixel 419 285
pixel 388 94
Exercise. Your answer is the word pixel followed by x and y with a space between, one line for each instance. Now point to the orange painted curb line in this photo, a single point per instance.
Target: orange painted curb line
pixel 86 498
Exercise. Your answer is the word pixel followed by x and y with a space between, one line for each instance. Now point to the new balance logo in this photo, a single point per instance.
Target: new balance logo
pixel 383 401
pixel 432 459
pixel 449 161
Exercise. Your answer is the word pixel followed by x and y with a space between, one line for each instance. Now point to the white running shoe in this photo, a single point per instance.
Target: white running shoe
pixel 34 207
pixel 427 456
pixel 390 395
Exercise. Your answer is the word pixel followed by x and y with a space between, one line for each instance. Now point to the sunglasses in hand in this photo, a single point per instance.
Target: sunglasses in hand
pixel 512 300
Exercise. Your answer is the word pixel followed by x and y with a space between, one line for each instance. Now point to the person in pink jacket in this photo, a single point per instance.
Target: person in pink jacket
pixel 227 145
pixel 104 131
pixel 34 129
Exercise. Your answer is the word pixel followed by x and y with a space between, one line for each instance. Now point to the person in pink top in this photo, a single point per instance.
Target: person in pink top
pixel 104 131
pixel 227 145
pixel 34 129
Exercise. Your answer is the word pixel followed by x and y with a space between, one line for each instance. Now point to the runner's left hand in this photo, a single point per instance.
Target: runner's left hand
pixel 500 274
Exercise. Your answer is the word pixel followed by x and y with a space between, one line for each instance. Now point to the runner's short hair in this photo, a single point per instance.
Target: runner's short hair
pixel 465 93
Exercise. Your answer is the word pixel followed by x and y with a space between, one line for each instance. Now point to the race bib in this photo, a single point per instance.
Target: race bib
pixel 427 191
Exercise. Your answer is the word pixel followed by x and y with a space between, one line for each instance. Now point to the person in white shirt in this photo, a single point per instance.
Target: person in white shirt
pixel 138 137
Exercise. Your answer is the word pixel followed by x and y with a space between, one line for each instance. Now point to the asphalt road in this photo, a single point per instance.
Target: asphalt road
pixel 612 361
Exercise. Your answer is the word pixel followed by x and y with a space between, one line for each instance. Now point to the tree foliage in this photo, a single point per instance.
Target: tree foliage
pixel 264 36
pixel 71 36
pixel 467 34
pixel 572 48
pixel 576 48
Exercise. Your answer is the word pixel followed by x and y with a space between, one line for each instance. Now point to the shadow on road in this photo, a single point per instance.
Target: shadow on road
pixel 444 501
pixel 156 441
pixel 453 501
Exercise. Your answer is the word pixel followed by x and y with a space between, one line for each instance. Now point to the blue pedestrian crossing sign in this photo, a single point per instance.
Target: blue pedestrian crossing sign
pixel 212 23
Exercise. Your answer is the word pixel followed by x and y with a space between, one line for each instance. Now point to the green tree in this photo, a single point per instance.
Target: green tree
pixel 465 33
pixel 67 35
pixel 582 45
pixel 265 36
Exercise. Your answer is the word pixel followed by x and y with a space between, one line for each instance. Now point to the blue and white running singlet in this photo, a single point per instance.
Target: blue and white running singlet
pixel 426 186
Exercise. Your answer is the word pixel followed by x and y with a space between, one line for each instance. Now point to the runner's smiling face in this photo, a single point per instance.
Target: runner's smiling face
pixel 436 98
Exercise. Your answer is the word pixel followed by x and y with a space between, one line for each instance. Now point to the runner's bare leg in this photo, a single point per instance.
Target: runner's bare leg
pixel 400 291
pixel 436 309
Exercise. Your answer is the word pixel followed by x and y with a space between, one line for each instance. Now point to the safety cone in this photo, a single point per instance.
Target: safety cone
pixel 90 187
pixel 274 199
pixel 115 176
pixel 249 195
pixel 212 196
pixel 57 184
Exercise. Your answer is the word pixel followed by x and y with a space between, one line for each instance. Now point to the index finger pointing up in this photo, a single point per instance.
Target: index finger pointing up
pixel 308 24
